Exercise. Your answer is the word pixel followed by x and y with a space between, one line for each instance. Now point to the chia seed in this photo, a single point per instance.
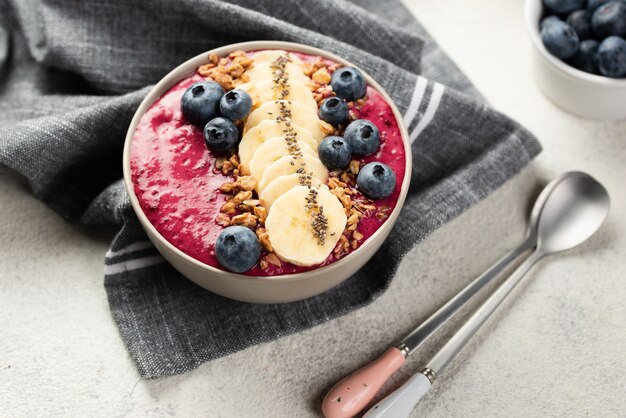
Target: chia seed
pixel 319 222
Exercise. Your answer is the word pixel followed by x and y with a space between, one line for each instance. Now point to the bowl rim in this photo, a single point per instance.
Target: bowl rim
pixel 187 68
pixel 532 25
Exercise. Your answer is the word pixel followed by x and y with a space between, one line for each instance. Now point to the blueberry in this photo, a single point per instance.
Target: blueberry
pixel 334 111
pixel 609 20
pixel 580 21
pixel 547 20
pixel 612 57
pixel 221 135
pixel 592 5
pixel 376 180
pixel 237 248
pixel 563 7
pixel 201 102
pixel 560 39
pixel 334 152
pixel 348 83
pixel 236 104
pixel 586 57
pixel 363 137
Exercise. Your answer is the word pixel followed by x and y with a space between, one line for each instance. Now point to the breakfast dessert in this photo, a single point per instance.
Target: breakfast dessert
pixel 268 162
pixel 589 35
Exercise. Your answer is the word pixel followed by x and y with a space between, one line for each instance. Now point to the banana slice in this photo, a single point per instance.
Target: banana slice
pixel 281 185
pixel 283 166
pixel 289 226
pixel 269 91
pixel 270 151
pixel 264 71
pixel 270 55
pixel 301 115
pixel 265 130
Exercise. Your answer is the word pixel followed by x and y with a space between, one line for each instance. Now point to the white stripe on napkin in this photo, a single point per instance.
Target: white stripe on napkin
pixel 129 249
pixel 416 100
pixel 431 109
pixel 132 264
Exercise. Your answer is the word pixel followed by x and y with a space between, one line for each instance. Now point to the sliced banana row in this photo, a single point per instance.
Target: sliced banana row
pixel 301 234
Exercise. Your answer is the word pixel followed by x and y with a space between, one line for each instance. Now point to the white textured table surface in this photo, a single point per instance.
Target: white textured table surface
pixel 558 348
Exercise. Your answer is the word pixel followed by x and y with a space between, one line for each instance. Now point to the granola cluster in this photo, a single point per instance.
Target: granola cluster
pixel 341 184
pixel 320 73
pixel 240 207
pixel 228 72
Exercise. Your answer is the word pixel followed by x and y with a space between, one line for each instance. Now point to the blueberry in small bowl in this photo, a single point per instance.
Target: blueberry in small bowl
pixel 547 20
pixel 609 20
pixel 580 21
pixel 560 39
pixel 201 102
pixel 586 59
pixel 564 7
pixel 612 57
pixel 592 5
pixel 595 21
pixel 584 78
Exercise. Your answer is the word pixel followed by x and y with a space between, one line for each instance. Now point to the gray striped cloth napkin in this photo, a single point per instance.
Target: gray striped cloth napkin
pixel 72 73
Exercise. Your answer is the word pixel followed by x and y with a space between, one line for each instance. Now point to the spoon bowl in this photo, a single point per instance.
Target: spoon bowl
pixel 574 208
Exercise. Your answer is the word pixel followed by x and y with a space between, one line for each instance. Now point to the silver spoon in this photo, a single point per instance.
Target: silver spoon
pixel 574 209
pixel 351 394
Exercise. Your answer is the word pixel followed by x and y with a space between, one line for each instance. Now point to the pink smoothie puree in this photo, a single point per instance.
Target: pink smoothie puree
pixel 178 190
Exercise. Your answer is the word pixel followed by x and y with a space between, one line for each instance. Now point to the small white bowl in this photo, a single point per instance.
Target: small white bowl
pixel 276 289
pixel 578 92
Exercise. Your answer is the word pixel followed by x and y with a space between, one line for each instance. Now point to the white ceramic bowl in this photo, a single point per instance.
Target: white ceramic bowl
pixel 277 289
pixel 575 91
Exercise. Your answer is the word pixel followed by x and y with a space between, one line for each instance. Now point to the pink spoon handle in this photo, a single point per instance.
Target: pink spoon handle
pixel 351 394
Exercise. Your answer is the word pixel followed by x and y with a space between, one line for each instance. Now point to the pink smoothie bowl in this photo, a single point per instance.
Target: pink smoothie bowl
pixel 249 288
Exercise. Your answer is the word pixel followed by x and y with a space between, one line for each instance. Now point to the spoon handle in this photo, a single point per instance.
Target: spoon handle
pixel 352 393
pixel 399 403
pixel 419 335
pixel 402 400
pixel 359 388
pixel 443 357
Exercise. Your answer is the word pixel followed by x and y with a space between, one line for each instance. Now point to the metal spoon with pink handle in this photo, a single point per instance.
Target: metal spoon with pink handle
pixel 557 202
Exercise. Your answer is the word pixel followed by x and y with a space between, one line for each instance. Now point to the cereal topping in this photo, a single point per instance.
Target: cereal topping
pixel 227 72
